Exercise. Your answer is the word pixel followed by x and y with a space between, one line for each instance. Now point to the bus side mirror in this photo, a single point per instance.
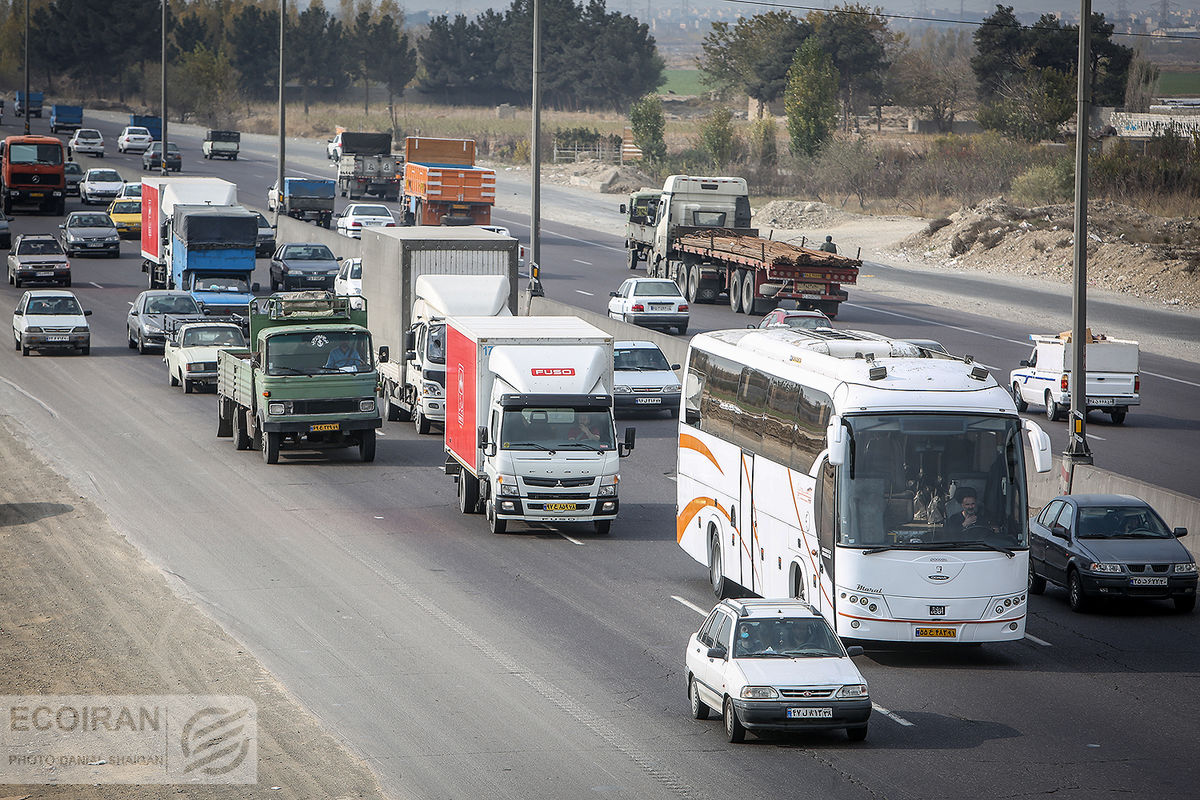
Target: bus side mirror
pixel 384 354
pixel 627 446
pixel 1039 445
pixel 836 441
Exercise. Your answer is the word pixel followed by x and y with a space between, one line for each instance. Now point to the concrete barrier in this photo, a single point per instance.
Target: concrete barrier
pixel 294 230
pixel 674 347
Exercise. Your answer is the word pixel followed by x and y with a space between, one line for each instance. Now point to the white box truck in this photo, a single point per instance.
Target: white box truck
pixel 1113 383
pixel 415 277
pixel 529 422
pixel 160 197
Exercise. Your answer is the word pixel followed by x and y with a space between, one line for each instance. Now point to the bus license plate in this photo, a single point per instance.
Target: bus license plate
pixel 810 713
pixel 562 506
pixel 937 633
pixel 1147 581
pixel 324 426
pixel 649 401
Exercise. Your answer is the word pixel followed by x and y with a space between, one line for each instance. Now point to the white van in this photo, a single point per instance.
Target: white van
pixel 1113 383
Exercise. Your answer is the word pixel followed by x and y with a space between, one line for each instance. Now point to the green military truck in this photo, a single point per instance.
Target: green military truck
pixel 308 377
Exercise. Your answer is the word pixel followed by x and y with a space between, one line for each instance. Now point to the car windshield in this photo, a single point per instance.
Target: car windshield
pixel 220 283
pixel 640 359
pixel 217 335
pixel 42 154
pixel 557 429
pixel 39 247
pixel 1121 522
pixel 372 211
pixel 317 353
pixel 308 252
pixel 805 637
pixel 104 176
pixel 128 207
pixel 909 474
pixel 805 321
pixel 171 304
pixel 656 289
pixel 53 305
pixel 89 221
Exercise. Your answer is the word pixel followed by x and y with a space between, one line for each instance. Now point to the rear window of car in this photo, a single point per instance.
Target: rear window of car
pixel 137 132
pixel 374 211
pixel 127 207
pixel 656 289
pixel 107 175
pixel 87 133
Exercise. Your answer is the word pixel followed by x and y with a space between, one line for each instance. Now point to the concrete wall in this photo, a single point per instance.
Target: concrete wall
pixel 294 230
pixel 673 347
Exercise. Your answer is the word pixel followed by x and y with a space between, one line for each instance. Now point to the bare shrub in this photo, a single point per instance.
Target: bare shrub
pixel 936 225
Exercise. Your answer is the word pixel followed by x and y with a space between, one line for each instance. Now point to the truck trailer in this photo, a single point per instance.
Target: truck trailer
pixel 442 185
pixel 417 277
pixel 529 422
pixel 35 104
pixel 65 118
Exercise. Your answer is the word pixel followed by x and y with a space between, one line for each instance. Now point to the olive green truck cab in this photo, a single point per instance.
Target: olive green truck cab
pixel 308 377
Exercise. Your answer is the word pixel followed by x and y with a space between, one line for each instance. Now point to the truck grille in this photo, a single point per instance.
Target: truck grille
pixel 569 483
pixel 558 496
pixel 325 406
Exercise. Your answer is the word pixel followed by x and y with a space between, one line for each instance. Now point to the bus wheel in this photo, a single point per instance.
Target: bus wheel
pixel 716 571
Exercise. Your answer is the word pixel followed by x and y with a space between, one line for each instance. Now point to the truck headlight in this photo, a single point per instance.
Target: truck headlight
pixel 608 491
pixel 275 408
pixel 367 405
pixel 507 485
pixel 759 693
pixel 1187 569
pixel 431 388
pixel 853 690
pixel 1098 566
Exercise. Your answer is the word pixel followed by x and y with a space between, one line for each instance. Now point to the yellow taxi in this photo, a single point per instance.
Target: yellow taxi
pixel 126 214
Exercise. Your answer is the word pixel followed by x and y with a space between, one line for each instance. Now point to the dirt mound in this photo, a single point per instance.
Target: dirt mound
pixel 800 215
pixel 598 176
pixel 1129 251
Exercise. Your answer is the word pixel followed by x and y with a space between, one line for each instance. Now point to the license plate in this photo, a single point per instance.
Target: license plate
pixel 1147 581
pixel 937 633
pixel 316 279
pixel 810 713
pixel 91 244
pixel 649 401
pixel 37 194
pixel 57 338
pixel 562 506
pixel 810 296
pixel 1101 401
pixel 324 426
pixel 661 307
pixel 45 274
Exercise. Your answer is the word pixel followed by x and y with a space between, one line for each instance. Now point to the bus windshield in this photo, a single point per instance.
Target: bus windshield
pixel 933 481
pixel 557 429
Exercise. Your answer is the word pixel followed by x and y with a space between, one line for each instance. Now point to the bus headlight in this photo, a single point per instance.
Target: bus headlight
pixel 759 693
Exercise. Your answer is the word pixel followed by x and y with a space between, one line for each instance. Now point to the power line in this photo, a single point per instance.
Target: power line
pixel 940 20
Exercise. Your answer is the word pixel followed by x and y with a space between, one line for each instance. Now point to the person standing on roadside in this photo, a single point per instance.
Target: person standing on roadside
pixel 828 246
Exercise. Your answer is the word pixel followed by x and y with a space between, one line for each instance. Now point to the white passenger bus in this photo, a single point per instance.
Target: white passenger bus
pixel 833 465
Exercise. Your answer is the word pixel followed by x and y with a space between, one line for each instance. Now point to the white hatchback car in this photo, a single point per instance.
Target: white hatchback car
pixel 86 141
pixel 51 319
pixel 643 379
pixel 651 302
pixel 357 216
pixel 775 665
pixel 134 139
pixel 349 278
pixel 130 189
pixel 100 185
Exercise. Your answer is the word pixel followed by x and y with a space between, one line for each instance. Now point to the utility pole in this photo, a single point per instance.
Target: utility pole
pixel 282 117
pixel 1077 451
pixel 163 154
pixel 26 103
pixel 535 156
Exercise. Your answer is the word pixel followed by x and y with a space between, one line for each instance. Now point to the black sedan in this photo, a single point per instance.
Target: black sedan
pixel 303 266
pixel 152 157
pixel 265 244
pixel 1109 545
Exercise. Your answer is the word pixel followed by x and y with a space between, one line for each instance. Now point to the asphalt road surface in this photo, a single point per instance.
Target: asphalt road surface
pixel 549 663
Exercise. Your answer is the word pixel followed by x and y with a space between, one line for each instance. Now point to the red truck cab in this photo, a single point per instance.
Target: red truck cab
pixel 32 173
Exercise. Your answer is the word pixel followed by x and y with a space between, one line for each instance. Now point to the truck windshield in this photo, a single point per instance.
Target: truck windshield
pixel 220 283
pixel 557 429
pixel 311 353
pixel 43 154
pixel 912 477
pixel 435 344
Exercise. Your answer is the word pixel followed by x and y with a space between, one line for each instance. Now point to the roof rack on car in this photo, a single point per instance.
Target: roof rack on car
pixel 742 606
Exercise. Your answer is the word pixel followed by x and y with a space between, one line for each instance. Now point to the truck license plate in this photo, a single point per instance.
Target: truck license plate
pixel 937 633
pixel 649 401
pixel 810 713
pixel 1147 581
pixel 37 194
pixel 324 426
pixel 562 506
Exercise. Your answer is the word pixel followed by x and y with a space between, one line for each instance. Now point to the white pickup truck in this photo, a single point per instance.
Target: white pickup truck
pixel 1113 383
pixel 190 350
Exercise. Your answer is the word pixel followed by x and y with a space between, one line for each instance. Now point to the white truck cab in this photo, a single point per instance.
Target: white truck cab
pixel 693 202
pixel 1113 383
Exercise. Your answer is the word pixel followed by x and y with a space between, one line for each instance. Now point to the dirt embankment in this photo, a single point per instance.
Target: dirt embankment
pixel 82 613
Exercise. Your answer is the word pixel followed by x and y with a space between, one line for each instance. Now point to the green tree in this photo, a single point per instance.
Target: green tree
pixel 1032 105
pixel 648 123
pixel 763 148
pixel 317 50
pixel 254 50
pixel 934 75
pixel 811 99
pixel 752 55
pixel 205 86
pixel 394 60
pixel 718 138
pixel 855 37
pixel 999 42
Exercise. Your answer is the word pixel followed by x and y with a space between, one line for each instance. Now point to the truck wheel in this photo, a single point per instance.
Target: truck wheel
pixel 366 446
pixel 421 422
pixel 1053 409
pixel 468 492
pixel 241 437
pixel 1117 417
pixel 1017 399
pixel 735 291
pixel 693 285
pixel 495 525
pixel 631 258
pixel 748 299
pixel 269 441
pixel 224 423
pixel 603 526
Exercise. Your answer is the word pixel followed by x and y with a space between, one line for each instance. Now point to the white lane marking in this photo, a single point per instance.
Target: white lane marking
pixel 570 539
pixel 1094 436
pixel 939 324
pixel 581 291
pixel 586 263
pixel 1169 378
pixel 19 390
pixel 689 604
pixel 98 286
pixel 1036 640
pixel 892 715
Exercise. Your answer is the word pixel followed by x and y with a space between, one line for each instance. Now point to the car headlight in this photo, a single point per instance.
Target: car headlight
pixel 1187 569
pixel 112 237
pixel 86 329
pixel 33 329
pixel 759 693
pixel 430 387
pixel 1098 566
pixel 852 690
pixel 152 328
pixel 72 237
pixel 622 390
pixel 367 405
pixel 275 409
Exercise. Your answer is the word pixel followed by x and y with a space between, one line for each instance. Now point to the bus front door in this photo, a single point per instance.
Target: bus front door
pixel 747 527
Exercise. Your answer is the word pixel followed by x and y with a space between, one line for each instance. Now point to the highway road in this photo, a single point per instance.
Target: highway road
pixel 548 663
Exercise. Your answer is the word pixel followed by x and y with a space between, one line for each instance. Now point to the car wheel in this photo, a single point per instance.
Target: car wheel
pixel 733 726
pixel 1017 399
pixel 86 350
pixel 682 329
pixel 188 386
pixel 858 734
pixel 24 348
pixel 1075 596
pixel 495 524
pixel 1117 417
pixel 1185 604
pixel 16 342
pixel 1053 409
pixel 141 345
pixel 366 446
pixel 171 379
pixel 699 709
pixel 269 441
pixel 468 492
pixel 1036 584
pixel 603 526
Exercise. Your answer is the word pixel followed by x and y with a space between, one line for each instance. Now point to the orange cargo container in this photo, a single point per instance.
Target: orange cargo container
pixel 442 185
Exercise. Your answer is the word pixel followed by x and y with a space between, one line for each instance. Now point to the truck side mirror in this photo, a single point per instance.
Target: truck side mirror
pixel 410 340
pixel 627 446
pixel 622 208
pixel 1024 362
pixel 384 354
pixel 254 287
pixel 482 434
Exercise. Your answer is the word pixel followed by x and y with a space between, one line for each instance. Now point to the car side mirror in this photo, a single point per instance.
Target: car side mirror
pixel 1060 532
pixel 18 313
pixel 626 447
pixel 1024 362
pixel 133 313
pixel 751 327
pixel 384 354
pixel 717 652
pixel 1180 533
pixel 612 294
pixel 87 312
pixel 854 650
pixel 676 367
pixel 62 227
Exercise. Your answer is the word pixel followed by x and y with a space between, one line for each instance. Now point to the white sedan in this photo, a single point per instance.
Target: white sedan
pixel 100 185
pixel 651 302
pixel 190 353
pixel 51 319
pixel 349 278
pixel 134 138
pixel 357 216
pixel 87 141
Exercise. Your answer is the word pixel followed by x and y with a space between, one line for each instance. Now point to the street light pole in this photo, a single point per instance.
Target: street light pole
pixel 1077 451
pixel 26 103
pixel 163 153
pixel 535 157
pixel 282 117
